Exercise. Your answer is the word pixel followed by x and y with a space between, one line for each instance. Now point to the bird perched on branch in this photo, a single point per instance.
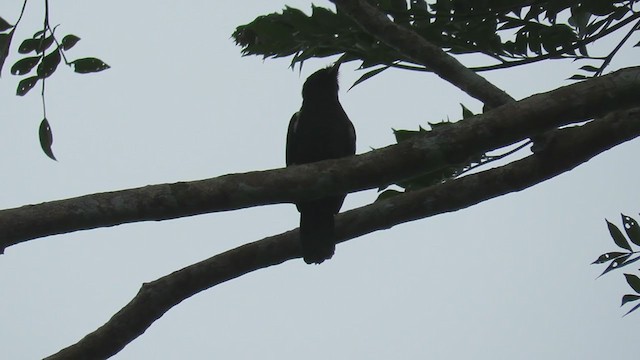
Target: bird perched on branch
pixel 321 130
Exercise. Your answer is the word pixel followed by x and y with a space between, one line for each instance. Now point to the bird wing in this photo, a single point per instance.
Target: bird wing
pixel 292 143
pixel 352 137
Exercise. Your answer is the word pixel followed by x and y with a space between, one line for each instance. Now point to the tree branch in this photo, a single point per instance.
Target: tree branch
pixel 568 148
pixel 454 144
pixel 415 47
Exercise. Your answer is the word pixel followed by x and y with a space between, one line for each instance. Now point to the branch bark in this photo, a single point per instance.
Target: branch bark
pixel 566 149
pixel 505 125
pixel 415 47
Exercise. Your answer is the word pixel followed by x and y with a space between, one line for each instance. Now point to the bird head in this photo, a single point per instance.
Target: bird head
pixel 322 84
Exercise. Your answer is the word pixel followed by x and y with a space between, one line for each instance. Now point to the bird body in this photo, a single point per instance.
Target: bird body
pixel 321 130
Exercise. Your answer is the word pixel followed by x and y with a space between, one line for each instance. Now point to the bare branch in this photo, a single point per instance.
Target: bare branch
pixel 415 47
pixel 497 128
pixel 567 149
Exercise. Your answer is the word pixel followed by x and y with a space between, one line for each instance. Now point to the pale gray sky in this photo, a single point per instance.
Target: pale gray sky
pixel 507 279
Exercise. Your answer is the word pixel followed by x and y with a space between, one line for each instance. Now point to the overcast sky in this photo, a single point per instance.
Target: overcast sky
pixel 506 279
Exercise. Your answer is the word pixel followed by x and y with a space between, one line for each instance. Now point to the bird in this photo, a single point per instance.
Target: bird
pixel 320 130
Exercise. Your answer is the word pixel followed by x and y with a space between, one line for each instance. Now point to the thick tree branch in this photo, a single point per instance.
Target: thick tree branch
pixel 499 127
pixel 567 149
pixel 415 47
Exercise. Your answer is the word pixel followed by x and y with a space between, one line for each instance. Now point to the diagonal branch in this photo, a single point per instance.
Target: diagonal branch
pixel 566 149
pixel 497 128
pixel 415 47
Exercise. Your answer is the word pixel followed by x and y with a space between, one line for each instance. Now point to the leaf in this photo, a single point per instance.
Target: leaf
pixel 510 25
pixel 466 113
pixel 368 75
pixel 617 263
pixel 620 12
pixel 46 138
pixel 5 43
pixel 583 50
pixel 534 11
pixel 617 236
pixel 589 68
pixel 25 65
pixel 324 17
pixel 28 45
pixel 49 64
pixel 593 27
pixel 632 309
pixel 579 17
pixel 608 256
pixel 631 228
pixel 629 261
pixel 27 84
pixel 629 298
pixel 44 44
pixel 69 41
pixel 89 65
pixel 598 7
pixel 578 77
pixel 4 25
pixel 633 281
pixel 402 135
pixel 38 34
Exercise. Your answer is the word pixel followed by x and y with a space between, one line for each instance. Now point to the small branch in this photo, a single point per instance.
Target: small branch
pixel 418 49
pixel 24 6
pixel 568 148
pixel 500 127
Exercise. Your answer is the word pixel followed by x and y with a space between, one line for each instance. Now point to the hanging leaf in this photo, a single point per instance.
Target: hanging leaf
pixel 44 44
pixel 49 64
pixel 38 34
pixel 4 25
pixel 608 256
pixel 632 310
pixel 629 298
pixel 89 65
pixel 617 236
pixel 69 41
pixel 46 138
pixel 631 228
pixel 633 281
pixel 28 45
pixel 630 261
pixel 368 75
pixel 616 264
pixel 25 65
pixel 5 43
pixel 27 84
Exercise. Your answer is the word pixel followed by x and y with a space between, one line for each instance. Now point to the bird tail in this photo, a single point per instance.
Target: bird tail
pixel 317 236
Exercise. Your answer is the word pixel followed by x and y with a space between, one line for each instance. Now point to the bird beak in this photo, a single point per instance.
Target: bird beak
pixel 334 69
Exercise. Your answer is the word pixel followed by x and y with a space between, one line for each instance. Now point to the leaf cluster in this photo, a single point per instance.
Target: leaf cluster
pixel 40 56
pixel 511 32
pixel 42 52
pixel 440 175
pixel 619 259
